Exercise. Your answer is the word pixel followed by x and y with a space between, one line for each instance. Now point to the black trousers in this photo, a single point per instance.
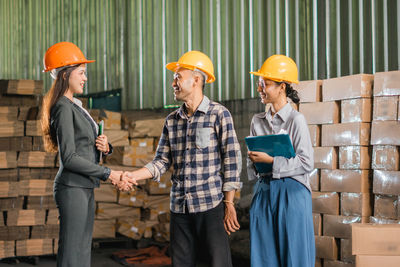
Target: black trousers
pixel 77 207
pixel 202 232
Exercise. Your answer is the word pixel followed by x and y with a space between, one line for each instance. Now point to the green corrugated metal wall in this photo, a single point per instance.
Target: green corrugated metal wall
pixel 132 40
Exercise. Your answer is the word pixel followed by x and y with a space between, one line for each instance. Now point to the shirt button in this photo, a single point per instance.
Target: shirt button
pixel 186 178
pixel 187 148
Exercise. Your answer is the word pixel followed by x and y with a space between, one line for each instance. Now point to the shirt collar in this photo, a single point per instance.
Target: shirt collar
pixel 283 113
pixel 203 107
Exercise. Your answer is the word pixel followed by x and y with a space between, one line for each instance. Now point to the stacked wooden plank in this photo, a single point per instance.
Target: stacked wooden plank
pixel 26 174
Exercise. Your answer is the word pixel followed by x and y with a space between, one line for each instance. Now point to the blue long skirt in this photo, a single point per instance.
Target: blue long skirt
pixel 281 225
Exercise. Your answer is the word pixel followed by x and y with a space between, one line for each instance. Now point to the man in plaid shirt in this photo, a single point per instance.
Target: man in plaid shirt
pixel 200 142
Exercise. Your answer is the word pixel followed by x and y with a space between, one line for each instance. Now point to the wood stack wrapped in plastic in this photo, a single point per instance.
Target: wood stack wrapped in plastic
pixel 354 155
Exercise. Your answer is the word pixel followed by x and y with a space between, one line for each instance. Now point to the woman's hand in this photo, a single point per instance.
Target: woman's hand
pixel 260 157
pixel 102 144
pixel 115 177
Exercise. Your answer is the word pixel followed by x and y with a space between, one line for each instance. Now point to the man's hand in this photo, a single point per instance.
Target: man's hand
pixel 231 223
pixel 258 157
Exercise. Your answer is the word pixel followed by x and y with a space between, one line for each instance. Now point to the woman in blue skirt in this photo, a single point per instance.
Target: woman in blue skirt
pixel 281 224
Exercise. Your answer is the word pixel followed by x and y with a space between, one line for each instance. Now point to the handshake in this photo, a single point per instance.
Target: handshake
pixel 124 181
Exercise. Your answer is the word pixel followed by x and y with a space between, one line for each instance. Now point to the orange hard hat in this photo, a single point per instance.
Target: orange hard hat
pixel 63 54
pixel 193 60
pixel 279 68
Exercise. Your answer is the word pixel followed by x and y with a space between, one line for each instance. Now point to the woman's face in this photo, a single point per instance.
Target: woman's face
pixel 77 79
pixel 268 90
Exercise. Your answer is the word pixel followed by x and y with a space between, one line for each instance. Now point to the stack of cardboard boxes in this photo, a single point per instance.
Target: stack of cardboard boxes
pixel 385 140
pixel 29 221
pixel 355 130
pixel 143 212
pixel 339 116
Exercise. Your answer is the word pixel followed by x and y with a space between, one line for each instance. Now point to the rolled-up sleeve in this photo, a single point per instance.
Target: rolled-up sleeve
pixel 230 153
pixel 303 162
pixel 163 158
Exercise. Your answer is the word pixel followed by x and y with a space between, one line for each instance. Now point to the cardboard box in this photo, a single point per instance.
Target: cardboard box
pixel 377 220
pixel 386 206
pixel 104 228
pixel 117 137
pixel 354 157
pixel 385 133
pixel 8 159
pixel 325 202
pixel 387 83
pixel 386 108
pixel 52 216
pixel 8 113
pixel 385 158
pixel 356 110
pixel 36 187
pixel 325 158
pixel 33 128
pixel 12 128
pixel 376 239
pixel 106 193
pixel 345 251
pixel 344 134
pixel 146 128
pixel 45 231
pixel 131 228
pixel 320 112
pixel 146 144
pixel 25 217
pixel 35 159
pixel 37 173
pixel 9 175
pixel 40 202
pixel 309 91
pixel 347 87
pixel 352 181
pixel 10 204
pixel 330 263
pixel 326 247
pixel 16 143
pixel 377 261
pixel 7 249
pixel 34 247
pixel 317 220
pixel 386 182
pixel 318 262
pixel 21 87
pixel 315 134
pixel 356 204
pixel 340 226
pixel 134 198
pixel 107 211
pixel 314 180
pixel 9 189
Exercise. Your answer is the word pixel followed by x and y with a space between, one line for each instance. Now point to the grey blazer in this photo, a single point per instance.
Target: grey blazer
pixel 76 138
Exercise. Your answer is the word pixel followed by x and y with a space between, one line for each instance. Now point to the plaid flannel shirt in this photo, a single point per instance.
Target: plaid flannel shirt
pixel 205 154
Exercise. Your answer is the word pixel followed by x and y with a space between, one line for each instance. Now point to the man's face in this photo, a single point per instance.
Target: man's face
pixel 182 84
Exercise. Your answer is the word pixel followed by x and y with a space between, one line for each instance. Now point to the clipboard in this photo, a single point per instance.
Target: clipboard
pixel 274 145
pixel 101 131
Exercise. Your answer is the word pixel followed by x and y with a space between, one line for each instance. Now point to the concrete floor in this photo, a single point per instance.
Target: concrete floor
pixel 101 257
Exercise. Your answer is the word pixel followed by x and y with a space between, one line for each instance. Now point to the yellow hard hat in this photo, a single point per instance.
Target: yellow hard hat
pixel 194 60
pixel 279 68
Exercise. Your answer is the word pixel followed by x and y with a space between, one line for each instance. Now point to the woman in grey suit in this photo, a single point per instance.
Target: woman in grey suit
pixel 69 128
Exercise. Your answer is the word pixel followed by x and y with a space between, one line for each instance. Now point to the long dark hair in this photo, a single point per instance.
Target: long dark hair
pixel 291 93
pixel 57 90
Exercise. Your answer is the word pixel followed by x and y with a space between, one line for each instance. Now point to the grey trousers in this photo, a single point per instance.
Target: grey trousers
pixel 76 206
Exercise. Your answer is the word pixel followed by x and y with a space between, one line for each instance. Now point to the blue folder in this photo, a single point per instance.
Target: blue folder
pixel 274 145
